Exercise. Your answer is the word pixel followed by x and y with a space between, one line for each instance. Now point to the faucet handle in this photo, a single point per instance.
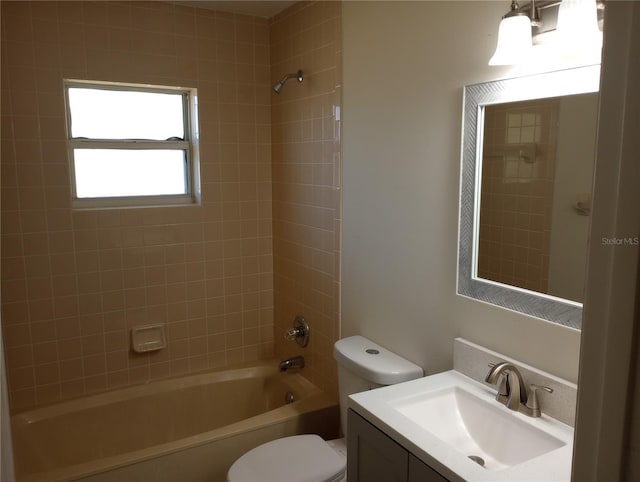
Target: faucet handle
pixel 491 367
pixel 292 333
pixel 532 399
pixel 299 332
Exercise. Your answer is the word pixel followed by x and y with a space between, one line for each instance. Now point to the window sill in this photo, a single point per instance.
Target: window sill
pixel 133 202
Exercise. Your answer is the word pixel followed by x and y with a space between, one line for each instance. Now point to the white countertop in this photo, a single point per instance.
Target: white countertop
pixel 377 407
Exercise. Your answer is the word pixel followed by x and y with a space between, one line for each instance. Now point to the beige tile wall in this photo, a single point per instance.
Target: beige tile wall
pixel 305 124
pixel 517 195
pixel 75 282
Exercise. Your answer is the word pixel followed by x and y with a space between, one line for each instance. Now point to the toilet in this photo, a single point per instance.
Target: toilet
pixel 362 365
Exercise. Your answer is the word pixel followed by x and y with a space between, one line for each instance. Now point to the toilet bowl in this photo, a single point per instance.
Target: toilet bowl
pixel 362 365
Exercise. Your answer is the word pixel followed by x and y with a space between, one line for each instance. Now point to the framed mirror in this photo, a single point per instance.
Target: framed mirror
pixel 525 192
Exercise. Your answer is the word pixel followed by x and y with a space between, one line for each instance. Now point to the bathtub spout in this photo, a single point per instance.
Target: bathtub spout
pixel 295 362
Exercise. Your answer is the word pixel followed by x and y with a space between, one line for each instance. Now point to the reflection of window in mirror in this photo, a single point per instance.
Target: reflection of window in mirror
pixel 537 161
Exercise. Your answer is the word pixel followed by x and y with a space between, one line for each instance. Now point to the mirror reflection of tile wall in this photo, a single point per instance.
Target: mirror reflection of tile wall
pixel 518 169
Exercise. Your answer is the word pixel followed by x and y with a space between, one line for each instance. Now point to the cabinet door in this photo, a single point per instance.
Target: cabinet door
pixel 421 472
pixel 371 455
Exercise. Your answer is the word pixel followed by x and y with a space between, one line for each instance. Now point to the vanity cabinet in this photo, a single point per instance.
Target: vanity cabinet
pixel 373 456
pixel 421 472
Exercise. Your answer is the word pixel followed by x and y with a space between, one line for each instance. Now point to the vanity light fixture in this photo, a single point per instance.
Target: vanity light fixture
pixel 575 23
pixel 514 37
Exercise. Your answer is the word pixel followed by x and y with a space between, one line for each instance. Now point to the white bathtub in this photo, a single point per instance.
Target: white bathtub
pixel 184 429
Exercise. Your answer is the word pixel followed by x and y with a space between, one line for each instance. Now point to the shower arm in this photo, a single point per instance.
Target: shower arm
pixel 298 75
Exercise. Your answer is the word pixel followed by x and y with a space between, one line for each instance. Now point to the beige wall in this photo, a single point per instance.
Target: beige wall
pixel 405 64
pixel 74 282
pixel 306 182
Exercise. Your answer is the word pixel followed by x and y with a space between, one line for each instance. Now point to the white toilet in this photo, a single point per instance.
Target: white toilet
pixel 362 365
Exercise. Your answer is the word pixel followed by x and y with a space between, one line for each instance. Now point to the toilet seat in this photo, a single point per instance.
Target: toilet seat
pixel 300 458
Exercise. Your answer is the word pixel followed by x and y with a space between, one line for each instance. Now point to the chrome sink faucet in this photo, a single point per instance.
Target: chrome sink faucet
pixel 512 391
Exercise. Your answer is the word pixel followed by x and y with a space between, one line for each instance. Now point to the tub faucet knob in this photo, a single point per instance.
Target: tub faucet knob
pixel 299 332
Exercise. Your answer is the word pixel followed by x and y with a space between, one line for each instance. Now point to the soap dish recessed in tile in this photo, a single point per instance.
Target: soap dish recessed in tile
pixel 147 338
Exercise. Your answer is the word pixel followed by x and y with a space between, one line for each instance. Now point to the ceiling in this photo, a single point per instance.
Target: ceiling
pixel 256 8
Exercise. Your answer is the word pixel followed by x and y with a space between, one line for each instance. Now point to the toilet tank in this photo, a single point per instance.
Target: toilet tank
pixel 364 365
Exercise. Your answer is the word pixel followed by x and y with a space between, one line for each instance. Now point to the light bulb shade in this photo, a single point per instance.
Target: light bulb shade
pixel 578 31
pixel 578 20
pixel 514 41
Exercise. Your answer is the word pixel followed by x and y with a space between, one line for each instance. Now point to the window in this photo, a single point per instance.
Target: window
pixel 131 144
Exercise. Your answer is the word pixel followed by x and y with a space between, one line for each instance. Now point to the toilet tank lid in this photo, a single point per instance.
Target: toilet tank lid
pixel 373 362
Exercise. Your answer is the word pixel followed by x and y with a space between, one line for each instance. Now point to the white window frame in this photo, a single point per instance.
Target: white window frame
pixel 189 145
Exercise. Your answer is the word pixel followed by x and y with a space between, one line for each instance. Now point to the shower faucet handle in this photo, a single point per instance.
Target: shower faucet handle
pixel 299 332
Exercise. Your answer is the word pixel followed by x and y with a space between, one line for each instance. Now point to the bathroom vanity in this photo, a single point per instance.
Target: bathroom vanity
pixel 374 456
pixel 450 426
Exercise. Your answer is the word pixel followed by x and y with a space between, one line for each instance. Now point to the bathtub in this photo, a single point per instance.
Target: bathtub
pixel 184 429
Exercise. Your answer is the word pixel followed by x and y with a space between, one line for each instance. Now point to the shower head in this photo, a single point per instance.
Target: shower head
pixel 277 87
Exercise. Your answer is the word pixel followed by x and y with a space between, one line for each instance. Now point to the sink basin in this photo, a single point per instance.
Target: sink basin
pixel 476 428
pixel 456 426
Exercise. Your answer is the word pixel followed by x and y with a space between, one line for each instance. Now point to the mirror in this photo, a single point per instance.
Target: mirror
pixel 527 165
pixel 535 193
